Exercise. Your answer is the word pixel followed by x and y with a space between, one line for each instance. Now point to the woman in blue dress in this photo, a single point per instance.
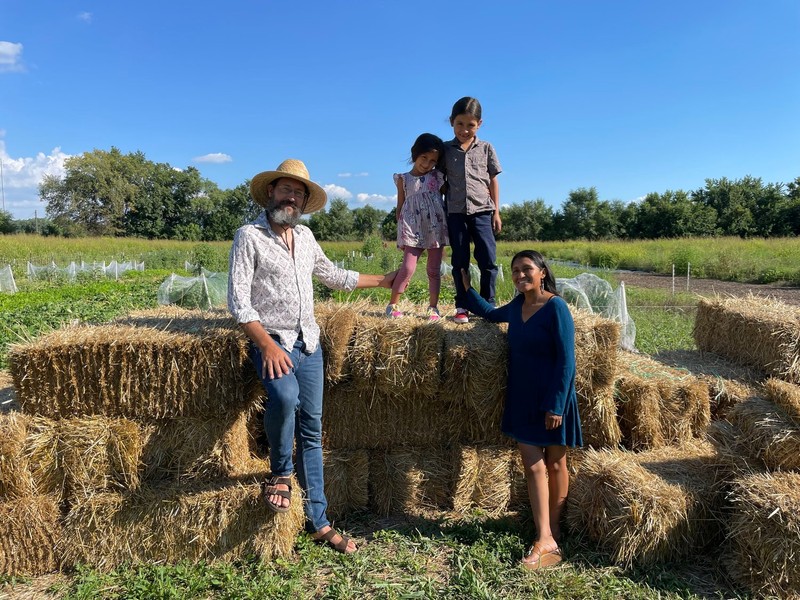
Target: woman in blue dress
pixel 541 411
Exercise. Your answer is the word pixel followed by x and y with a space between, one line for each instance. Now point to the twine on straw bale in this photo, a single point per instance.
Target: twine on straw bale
pixel 786 396
pixel 483 480
pixel 767 433
pixel 346 481
pixel 684 406
pixel 357 419
pixel 728 383
pixel 647 507
pixel 765 533
pixel 213 520
pixel 598 411
pixel 30 531
pixel 189 367
pixel 412 480
pixel 752 331
pixel 15 474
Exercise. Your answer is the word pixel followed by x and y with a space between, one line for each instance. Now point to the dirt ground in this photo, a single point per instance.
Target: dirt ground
pixel 709 287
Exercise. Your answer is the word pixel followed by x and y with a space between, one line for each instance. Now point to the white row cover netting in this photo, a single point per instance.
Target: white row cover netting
pixel 207 291
pixel 52 271
pixel 590 292
pixel 7 283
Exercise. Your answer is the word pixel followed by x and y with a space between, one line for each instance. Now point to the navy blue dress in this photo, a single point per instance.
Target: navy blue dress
pixel 541 370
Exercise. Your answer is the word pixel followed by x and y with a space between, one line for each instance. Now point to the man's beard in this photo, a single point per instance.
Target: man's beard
pixel 284 215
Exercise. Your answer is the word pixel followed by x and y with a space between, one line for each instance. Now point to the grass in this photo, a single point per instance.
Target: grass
pixel 471 558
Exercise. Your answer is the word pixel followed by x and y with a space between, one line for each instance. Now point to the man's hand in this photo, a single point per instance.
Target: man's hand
pixel 388 280
pixel 465 279
pixel 497 222
pixel 275 363
pixel 552 421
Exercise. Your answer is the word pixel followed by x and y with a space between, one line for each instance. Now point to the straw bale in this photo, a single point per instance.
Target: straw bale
pixel 786 396
pixel 639 404
pixel 412 480
pixel 647 507
pixel 337 322
pixel 475 360
pixel 734 460
pixel 362 353
pixel 182 367
pixel 346 481
pixel 30 531
pixel 43 453
pixel 598 411
pixel 208 521
pixel 767 433
pixel 357 419
pixel 408 359
pixel 752 331
pixel 186 447
pixel 684 407
pixel 98 454
pixel 596 342
pixel 728 383
pixel 483 480
pixel 764 533
pixel 15 475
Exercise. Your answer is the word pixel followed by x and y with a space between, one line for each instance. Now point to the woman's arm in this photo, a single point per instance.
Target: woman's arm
pixel 563 330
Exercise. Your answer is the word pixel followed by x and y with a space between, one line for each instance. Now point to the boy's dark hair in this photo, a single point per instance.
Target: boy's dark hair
pixel 466 106
pixel 538 260
pixel 427 142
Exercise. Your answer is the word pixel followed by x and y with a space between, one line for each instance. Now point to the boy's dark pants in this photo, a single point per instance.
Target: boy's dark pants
pixel 477 229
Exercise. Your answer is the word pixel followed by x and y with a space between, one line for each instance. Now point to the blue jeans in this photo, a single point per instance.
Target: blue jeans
pixel 476 228
pixel 293 409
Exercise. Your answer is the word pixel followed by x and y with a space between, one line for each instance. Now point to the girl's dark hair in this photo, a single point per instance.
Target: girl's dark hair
pixel 427 142
pixel 538 260
pixel 466 106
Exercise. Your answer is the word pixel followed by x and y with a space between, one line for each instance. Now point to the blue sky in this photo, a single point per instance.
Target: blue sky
pixel 630 96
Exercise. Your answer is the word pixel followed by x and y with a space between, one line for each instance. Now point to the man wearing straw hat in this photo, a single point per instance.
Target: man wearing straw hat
pixel 271 295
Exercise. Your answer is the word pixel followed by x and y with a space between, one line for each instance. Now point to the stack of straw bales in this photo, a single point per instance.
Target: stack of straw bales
pixel 650 506
pixel 659 405
pixel 759 445
pixel 422 403
pixel 138 433
pixel 728 383
pixel 756 332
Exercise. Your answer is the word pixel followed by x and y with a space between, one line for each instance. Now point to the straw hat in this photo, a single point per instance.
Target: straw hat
pixel 295 169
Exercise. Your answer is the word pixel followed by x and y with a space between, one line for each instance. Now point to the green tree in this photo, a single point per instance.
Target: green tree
pixel 334 224
pixel 389 225
pixel 6 222
pixel 531 220
pixel 577 218
pixel 367 221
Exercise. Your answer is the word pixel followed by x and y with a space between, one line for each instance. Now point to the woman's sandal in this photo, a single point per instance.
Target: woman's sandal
pixel 270 488
pixel 546 559
pixel 327 538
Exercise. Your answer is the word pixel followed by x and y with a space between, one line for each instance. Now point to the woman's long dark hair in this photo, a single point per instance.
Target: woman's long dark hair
pixel 549 279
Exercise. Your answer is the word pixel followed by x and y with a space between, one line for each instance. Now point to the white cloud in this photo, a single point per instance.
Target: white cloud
pixel 10 57
pixel 214 158
pixel 86 17
pixel 337 191
pixel 345 175
pixel 22 176
pixel 362 174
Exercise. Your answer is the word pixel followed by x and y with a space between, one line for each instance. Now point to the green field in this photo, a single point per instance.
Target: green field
pixel 437 558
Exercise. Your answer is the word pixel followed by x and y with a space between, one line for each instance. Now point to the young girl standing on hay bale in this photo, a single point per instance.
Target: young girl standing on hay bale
pixel 421 222
pixel 541 411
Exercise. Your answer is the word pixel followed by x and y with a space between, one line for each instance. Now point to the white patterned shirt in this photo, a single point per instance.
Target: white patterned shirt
pixel 268 285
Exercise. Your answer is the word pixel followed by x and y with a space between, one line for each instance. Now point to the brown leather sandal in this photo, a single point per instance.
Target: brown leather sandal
pixel 327 538
pixel 546 559
pixel 269 488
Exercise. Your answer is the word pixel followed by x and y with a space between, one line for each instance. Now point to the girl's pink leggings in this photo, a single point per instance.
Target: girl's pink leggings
pixel 410 257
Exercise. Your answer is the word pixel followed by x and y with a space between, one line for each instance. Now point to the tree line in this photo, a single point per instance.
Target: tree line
pixel 115 194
